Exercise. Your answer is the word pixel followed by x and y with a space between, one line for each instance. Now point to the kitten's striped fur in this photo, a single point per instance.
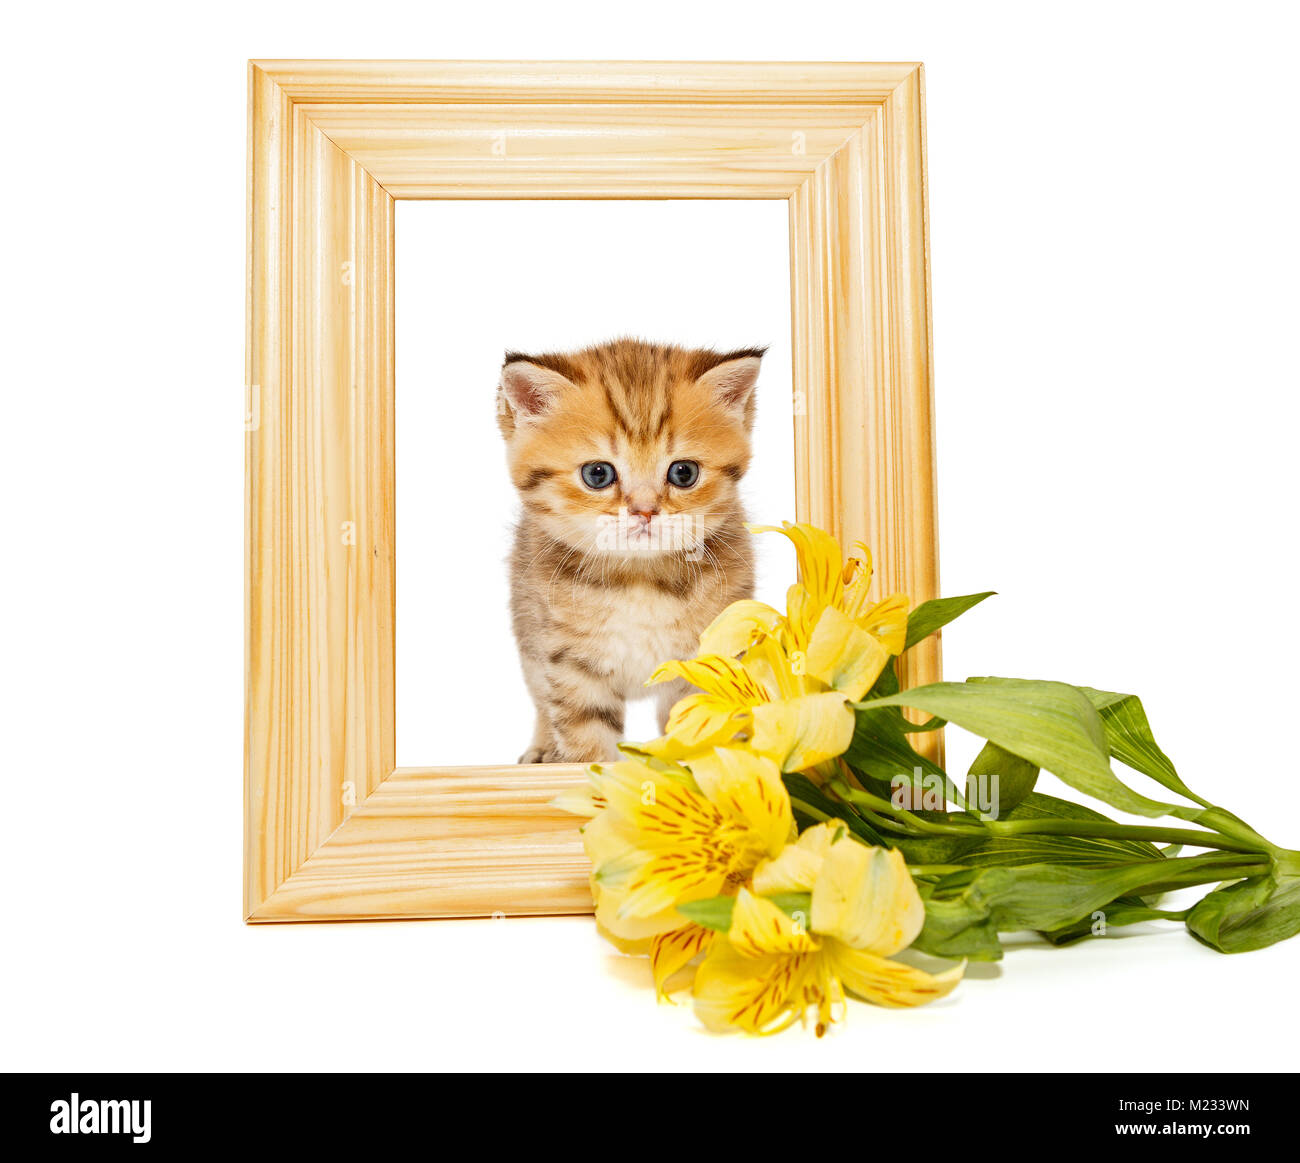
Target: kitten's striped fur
pixel 607 583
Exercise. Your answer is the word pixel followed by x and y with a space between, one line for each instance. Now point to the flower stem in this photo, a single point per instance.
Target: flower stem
pixel 1186 871
pixel 1106 830
pixel 1223 821
pixel 808 810
pixel 1099 829
pixel 902 819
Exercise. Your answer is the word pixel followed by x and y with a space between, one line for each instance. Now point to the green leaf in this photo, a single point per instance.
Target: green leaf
pixel 1117 914
pixel 1250 914
pixel 1129 738
pixel 1041 806
pixel 1086 851
pixel 1006 779
pixel 1050 724
pixel 965 912
pixel 887 684
pixel 937 613
pixel 1009 851
pixel 935 849
pixel 715 912
pixel 880 749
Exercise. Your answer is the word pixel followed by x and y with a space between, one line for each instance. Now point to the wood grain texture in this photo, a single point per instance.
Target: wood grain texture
pixel 427 843
pixel 751 83
pixel 331 830
pixel 319 529
pixel 864 444
pixel 609 150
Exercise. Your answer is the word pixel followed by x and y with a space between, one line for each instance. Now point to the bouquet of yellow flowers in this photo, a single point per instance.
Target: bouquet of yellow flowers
pixel 776 848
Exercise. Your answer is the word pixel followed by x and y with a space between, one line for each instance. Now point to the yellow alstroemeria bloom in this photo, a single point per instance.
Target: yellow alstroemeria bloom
pixel 661 834
pixel 760 702
pixel 773 966
pixel 837 637
pixel 780 683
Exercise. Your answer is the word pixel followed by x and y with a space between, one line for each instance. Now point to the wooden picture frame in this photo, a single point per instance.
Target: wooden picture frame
pixel 332 830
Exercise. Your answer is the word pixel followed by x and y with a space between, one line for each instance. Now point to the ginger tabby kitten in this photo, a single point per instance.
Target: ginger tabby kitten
pixel 627 457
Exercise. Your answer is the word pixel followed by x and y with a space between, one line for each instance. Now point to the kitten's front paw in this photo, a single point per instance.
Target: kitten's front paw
pixel 534 755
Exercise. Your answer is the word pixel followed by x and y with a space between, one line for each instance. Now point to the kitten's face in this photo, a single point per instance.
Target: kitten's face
pixel 629 448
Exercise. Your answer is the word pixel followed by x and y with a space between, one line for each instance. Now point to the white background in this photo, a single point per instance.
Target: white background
pixel 1113 192
pixel 477 278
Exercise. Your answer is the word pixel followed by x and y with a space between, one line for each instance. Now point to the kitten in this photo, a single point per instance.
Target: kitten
pixel 627 457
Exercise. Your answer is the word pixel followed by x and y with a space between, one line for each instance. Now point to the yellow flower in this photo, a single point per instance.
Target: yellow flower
pixel 660 834
pixel 723 708
pixel 760 702
pixel 703 813
pixel 838 638
pixel 773 966
pixel 739 626
pixel 669 833
pixel 781 683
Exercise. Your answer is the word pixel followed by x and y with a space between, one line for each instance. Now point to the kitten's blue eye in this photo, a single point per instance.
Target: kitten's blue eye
pixel 683 473
pixel 598 474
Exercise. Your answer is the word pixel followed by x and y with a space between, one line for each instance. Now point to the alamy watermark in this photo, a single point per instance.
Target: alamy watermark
pixel 928 791
pixel 75 1115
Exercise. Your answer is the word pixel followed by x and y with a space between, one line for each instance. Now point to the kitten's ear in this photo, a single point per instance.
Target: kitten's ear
pixel 732 381
pixel 529 390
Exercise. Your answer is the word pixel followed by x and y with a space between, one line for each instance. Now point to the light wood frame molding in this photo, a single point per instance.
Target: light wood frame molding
pixel 332 829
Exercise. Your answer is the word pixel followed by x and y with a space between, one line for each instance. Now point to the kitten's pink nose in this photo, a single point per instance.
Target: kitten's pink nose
pixel 643 503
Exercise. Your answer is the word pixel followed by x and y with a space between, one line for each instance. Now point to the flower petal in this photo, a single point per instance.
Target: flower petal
pixel 857 580
pixel 667 879
pixel 748 790
pixel 676 949
pixel 758 927
pixel 715 715
pixel 801 617
pixel 887 622
pixel 583 800
pixel 865 897
pixel 703 720
pixel 797 866
pixel 606 838
pixel 658 842
pixel 724 678
pixel 844 656
pixel 821 567
pixel 655 808
pixel 773 668
pixel 664 748
pixel 633 947
pixel 802 732
pixel 668 835
pixel 737 626
pixel 889 983
pixel 631 929
pixel 753 993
